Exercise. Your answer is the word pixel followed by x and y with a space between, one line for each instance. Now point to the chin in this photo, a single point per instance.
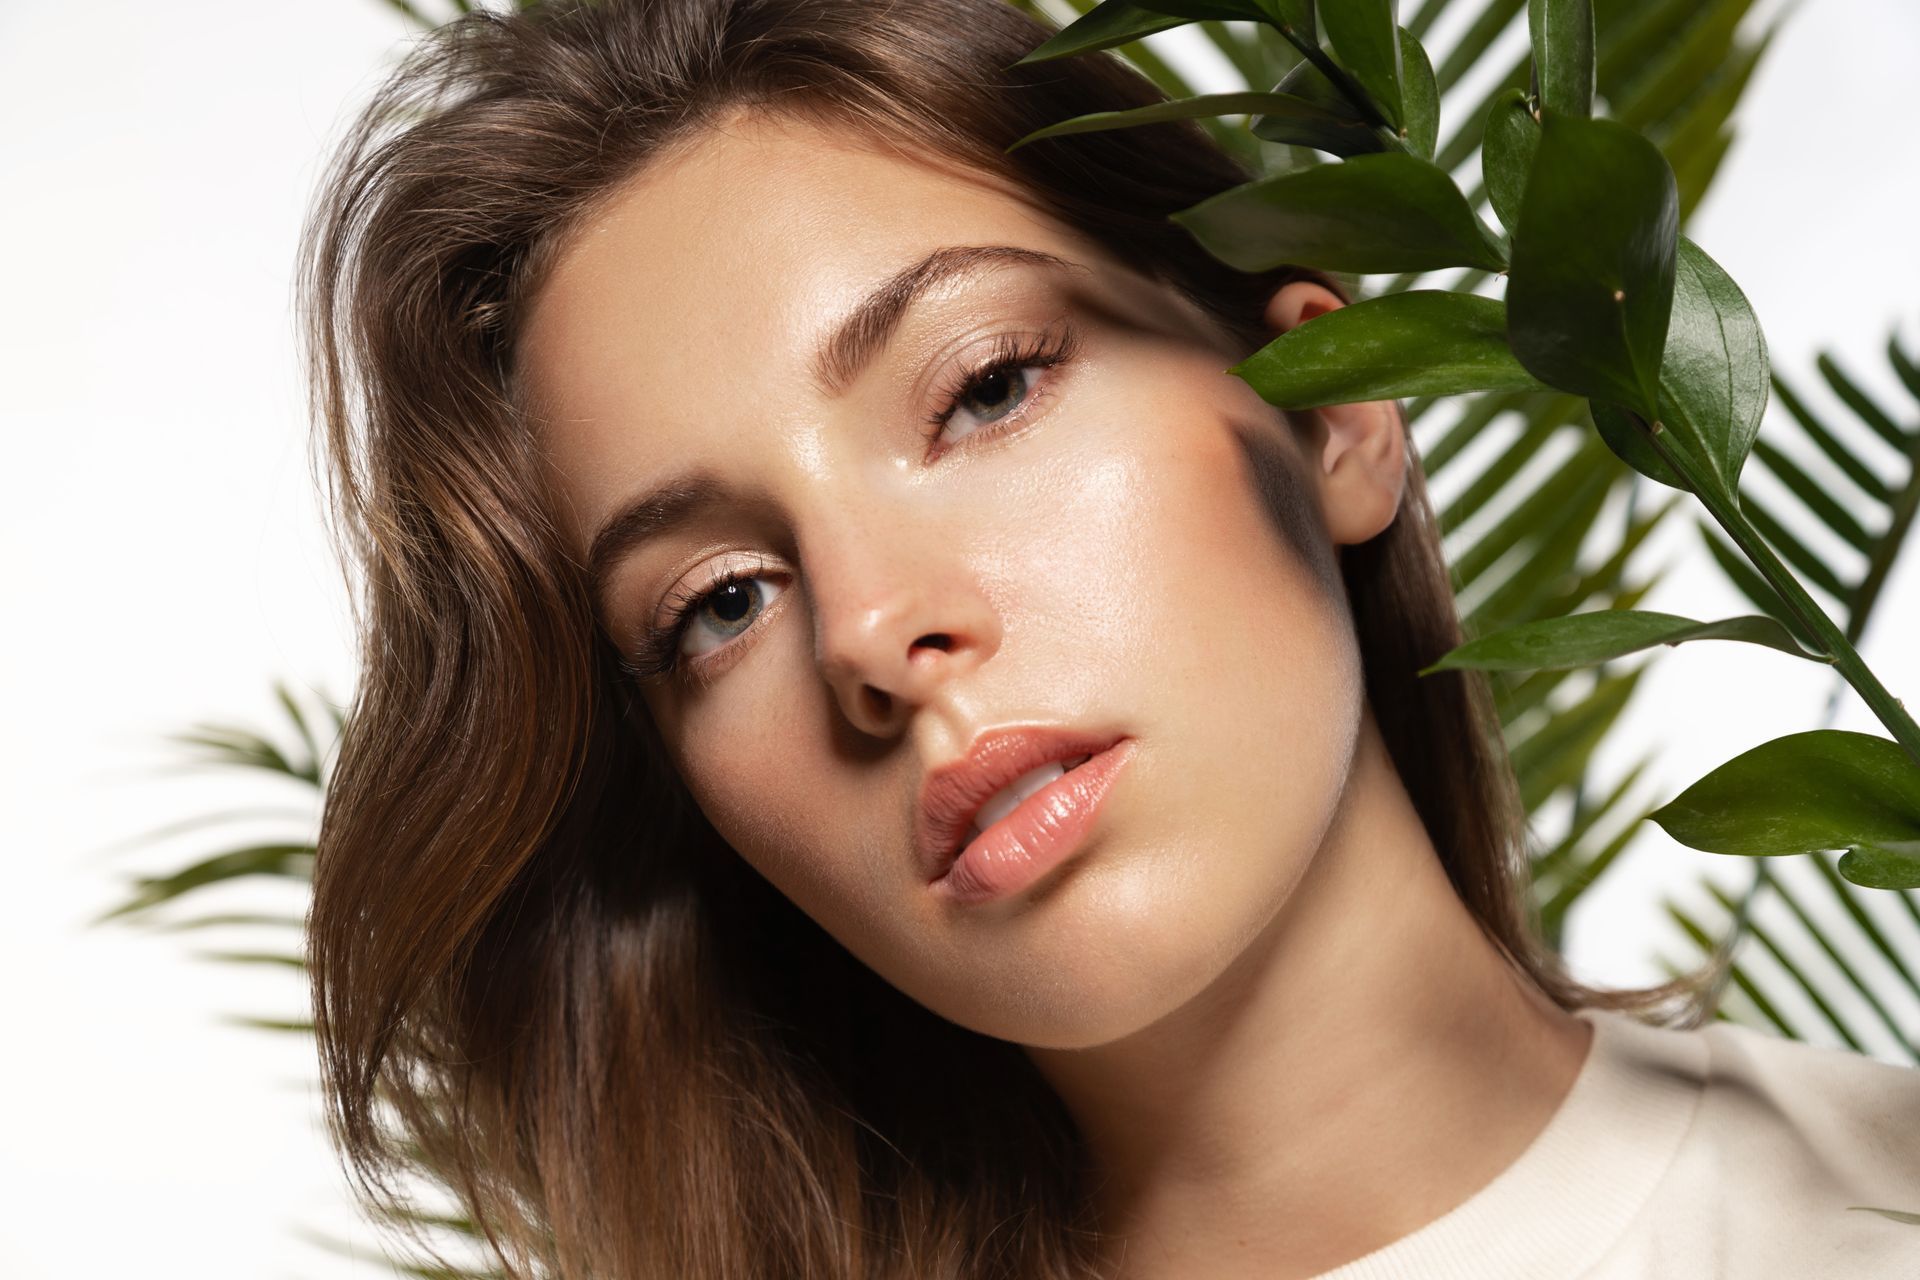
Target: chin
pixel 1110 967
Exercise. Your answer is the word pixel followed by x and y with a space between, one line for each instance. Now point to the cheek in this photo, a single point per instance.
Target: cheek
pixel 767 785
pixel 1186 549
pixel 746 776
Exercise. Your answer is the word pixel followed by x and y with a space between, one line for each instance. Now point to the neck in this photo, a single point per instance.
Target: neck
pixel 1368 1062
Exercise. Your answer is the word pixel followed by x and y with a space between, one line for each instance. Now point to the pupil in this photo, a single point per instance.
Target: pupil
pixel 1008 380
pixel 733 597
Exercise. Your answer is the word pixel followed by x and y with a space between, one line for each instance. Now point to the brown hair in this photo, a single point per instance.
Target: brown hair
pixel 536 969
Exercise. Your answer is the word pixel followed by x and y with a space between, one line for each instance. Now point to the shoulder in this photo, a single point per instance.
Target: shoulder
pixel 1850 1112
pixel 1786 1141
pixel 1746 1074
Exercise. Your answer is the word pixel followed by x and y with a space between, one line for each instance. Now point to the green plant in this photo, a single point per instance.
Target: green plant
pixel 291 764
pixel 1551 521
pixel 1605 301
pixel 1829 968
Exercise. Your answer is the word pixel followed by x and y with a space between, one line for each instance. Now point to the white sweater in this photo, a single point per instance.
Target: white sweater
pixel 1690 1155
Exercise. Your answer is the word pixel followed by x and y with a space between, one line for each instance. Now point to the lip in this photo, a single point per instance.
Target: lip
pixel 954 792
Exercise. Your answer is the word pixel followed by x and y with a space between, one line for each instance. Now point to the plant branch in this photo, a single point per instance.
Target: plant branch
pixel 1348 86
pixel 1846 659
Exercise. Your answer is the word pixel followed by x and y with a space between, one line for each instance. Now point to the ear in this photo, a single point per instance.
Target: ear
pixel 1361 469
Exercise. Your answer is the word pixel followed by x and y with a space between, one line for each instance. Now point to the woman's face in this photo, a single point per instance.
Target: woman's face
pixel 1079 544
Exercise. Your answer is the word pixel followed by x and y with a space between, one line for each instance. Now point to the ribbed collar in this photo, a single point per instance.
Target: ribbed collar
pixel 1570 1194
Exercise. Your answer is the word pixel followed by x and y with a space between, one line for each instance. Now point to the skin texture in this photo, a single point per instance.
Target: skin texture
pixel 1285 1038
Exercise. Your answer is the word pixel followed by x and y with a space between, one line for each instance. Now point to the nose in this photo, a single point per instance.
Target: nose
pixel 893 627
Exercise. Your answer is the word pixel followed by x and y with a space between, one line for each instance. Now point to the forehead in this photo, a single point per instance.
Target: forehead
pixel 698 291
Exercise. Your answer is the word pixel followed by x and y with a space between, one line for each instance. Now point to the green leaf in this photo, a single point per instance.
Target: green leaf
pixel 1283 119
pixel 273 958
pixel 1888 864
pixel 292 861
pixel 1563 54
pixel 1811 492
pixel 1828 442
pixel 1306 125
pixel 1626 435
pixel 1421 97
pixel 1714 379
pixel 1208 10
pixel 1591 289
pixel 1898 1215
pixel 1293 17
pixel 1108 24
pixel 227 919
pixel 1364 36
pixel 1424 342
pixel 1506 155
pixel 1584 638
pixel 1861 403
pixel 1822 789
pixel 1304 80
pixel 1557 754
pixel 1373 213
pixel 1713 371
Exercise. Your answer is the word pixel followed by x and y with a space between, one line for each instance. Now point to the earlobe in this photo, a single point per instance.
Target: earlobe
pixel 1362 457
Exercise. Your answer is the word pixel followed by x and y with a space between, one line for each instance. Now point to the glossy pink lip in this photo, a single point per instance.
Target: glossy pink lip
pixel 1042 832
pixel 954 792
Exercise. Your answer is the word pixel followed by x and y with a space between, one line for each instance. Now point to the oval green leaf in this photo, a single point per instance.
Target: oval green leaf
pixel 1506 153
pixel 1420 95
pixel 1591 289
pixel 1107 24
pixel 1563 58
pixel 1390 212
pixel 1293 17
pixel 1419 343
pixel 1365 39
pixel 1714 382
pixel 1822 789
pixel 1628 440
pixel 1581 639
pixel 1205 10
pixel 1714 375
pixel 1300 121
pixel 1891 864
pixel 1309 82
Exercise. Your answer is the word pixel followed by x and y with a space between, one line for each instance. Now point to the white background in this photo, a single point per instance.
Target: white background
pixel 165 564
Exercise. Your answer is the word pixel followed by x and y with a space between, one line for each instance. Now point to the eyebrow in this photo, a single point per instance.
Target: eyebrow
pixel 871 324
pixel 854 342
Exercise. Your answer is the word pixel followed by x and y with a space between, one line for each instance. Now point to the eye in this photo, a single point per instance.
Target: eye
pixel 712 616
pixel 997 390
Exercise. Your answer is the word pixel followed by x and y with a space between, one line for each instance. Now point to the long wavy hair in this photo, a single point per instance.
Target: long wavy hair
pixel 537 971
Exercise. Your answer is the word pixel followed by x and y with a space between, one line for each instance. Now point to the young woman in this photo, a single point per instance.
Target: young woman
pixel 877 758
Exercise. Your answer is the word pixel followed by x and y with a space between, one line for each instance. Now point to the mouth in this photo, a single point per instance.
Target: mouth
pixel 1006 799
pixel 1043 829
pixel 966 798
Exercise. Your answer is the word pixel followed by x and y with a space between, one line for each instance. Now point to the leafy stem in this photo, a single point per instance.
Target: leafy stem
pixel 1348 86
pixel 1846 659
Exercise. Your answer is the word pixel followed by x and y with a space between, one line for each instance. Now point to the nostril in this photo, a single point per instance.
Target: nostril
pixel 937 640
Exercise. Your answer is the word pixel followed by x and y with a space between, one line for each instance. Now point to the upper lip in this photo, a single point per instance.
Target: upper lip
pixel 952 793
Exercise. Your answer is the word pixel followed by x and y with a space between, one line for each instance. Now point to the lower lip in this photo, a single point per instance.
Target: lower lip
pixel 1042 832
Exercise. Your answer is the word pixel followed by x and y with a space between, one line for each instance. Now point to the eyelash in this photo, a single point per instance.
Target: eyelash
pixel 1010 353
pixel 658 653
